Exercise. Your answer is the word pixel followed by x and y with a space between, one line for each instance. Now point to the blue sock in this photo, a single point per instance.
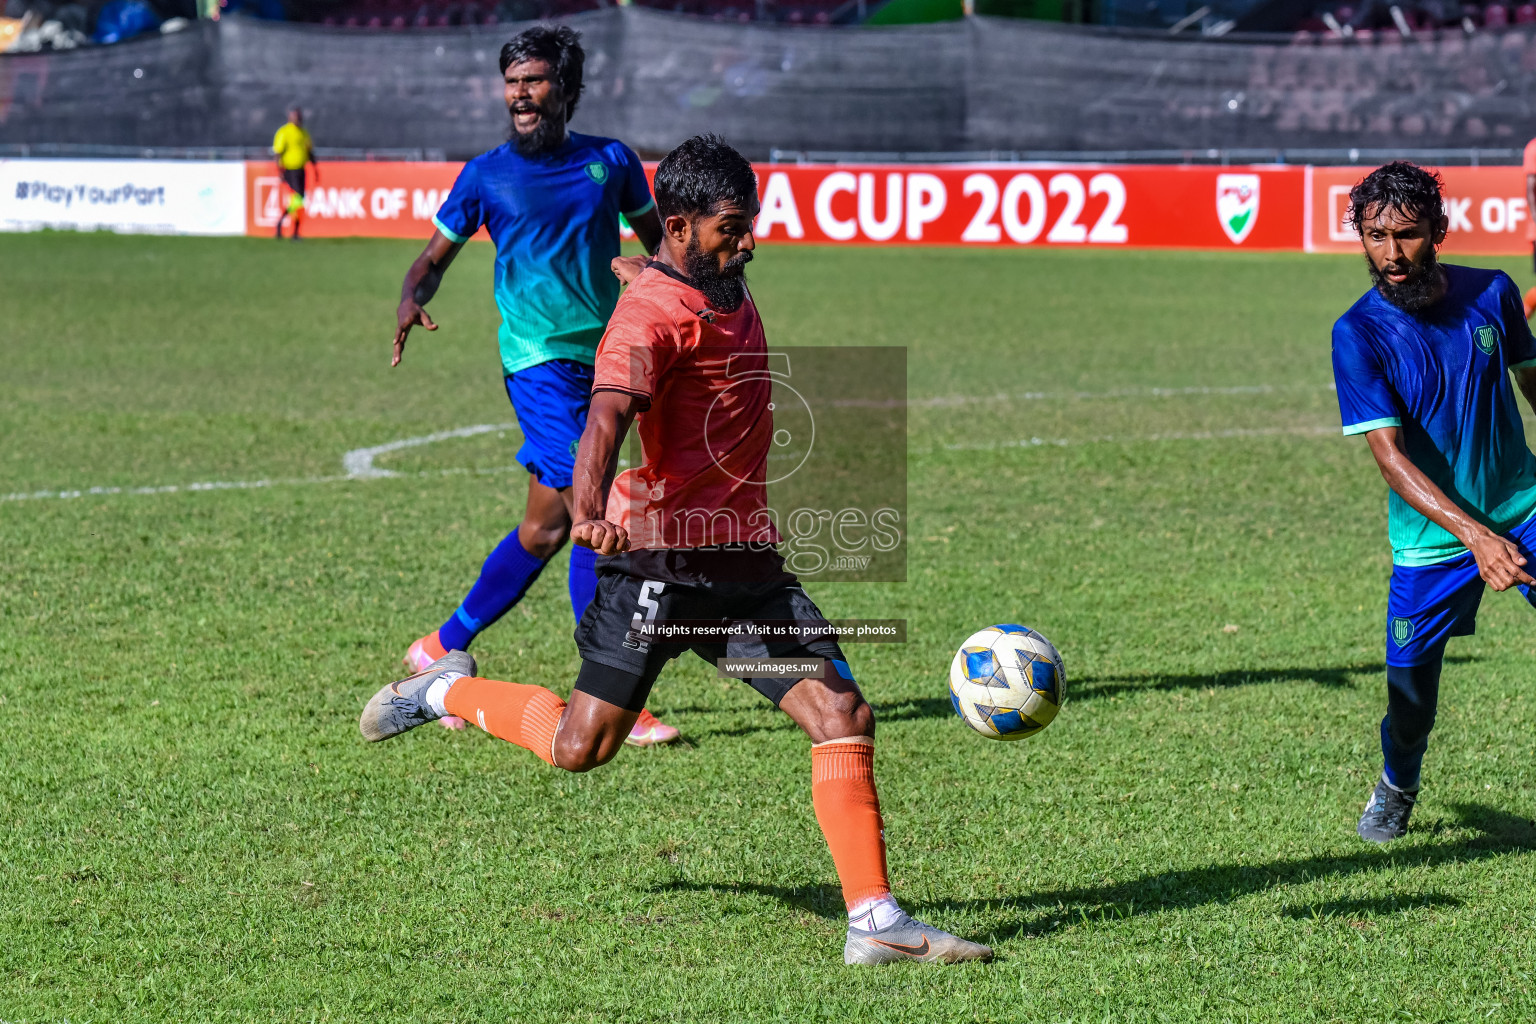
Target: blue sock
pixel 583 579
pixel 1412 695
pixel 504 579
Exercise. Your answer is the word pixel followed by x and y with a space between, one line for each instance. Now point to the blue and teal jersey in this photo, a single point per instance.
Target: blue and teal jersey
pixel 1442 377
pixel 555 221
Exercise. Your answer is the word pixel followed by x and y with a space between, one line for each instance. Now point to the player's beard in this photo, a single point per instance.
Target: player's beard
pixel 546 137
pixel 726 288
pixel 1417 293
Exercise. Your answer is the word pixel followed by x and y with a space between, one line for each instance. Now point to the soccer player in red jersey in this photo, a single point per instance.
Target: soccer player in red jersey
pixel 686 535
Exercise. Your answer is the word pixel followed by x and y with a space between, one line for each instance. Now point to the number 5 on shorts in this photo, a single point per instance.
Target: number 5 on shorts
pixel 649 591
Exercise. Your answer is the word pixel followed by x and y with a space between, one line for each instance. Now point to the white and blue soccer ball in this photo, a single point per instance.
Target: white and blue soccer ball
pixel 1006 682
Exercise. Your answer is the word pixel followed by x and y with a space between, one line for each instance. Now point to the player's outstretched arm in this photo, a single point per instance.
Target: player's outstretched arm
pixel 1499 560
pixel 420 285
pixel 597 456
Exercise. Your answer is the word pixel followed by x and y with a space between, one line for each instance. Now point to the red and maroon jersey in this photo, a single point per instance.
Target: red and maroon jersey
pixel 707 420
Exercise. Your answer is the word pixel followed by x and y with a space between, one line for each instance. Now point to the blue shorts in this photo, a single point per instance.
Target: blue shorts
pixel 551 401
pixel 1429 604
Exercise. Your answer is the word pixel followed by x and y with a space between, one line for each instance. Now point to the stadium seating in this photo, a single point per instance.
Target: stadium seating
pixel 417 14
pixel 1372 22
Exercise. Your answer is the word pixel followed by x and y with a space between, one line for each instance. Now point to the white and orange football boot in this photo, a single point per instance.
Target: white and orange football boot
pixel 423 653
pixel 650 731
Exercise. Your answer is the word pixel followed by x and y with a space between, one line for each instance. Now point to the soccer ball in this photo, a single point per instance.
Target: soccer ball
pixel 1006 682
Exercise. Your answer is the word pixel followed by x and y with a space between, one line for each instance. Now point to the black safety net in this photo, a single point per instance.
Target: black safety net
pixel 984 84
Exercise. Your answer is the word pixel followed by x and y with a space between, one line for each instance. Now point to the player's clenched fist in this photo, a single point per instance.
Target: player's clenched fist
pixel 601 536
pixel 410 314
pixel 627 268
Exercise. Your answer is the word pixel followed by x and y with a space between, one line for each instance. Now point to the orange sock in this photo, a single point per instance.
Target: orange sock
pixel 848 809
pixel 1530 303
pixel 525 715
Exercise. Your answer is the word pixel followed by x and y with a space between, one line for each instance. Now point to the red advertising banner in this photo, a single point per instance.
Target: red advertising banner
pixel 1059 205
pixel 377 200
pixel 1035 204
pixel 1485 206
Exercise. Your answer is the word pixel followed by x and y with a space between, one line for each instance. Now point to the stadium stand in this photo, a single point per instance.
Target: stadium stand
pixel 47 24
pixel 980 85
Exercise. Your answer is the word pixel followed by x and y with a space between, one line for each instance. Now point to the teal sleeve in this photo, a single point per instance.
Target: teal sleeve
pixel 1370 425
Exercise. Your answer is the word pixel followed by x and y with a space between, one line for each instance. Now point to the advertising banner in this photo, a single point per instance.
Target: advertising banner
pixel 998 205
pixel 1059 205
pixel 354 198
pixel 1070 205
pixel 179 197
pixel 1485 206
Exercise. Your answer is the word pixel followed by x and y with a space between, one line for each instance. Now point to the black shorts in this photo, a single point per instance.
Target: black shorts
pixel 619 664
pixel 293 177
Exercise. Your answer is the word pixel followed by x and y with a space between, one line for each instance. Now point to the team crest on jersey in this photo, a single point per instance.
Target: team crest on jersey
pixel 597 171
pixel 1237 204
pixel 1402 630
pixel 1487 337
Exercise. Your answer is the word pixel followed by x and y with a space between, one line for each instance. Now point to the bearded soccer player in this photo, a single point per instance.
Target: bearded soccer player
pixel 682 538
pixel 551 200
pixel 1422 363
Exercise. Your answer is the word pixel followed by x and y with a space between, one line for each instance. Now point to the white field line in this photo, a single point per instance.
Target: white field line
pixel 358 463
pixel 251 485
pixel 945 401
pixel 1192 435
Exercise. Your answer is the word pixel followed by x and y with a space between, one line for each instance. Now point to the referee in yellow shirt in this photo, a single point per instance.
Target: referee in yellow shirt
pixel 293 149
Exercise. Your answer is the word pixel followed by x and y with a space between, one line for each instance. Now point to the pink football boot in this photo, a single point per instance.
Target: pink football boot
pixel 650 731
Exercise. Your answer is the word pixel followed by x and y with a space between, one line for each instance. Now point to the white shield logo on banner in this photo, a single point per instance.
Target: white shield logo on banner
pixel 1237 204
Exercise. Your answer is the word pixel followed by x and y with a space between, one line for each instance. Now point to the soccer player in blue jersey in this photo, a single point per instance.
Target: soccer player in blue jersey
pixel 550 199
pixel 1423 364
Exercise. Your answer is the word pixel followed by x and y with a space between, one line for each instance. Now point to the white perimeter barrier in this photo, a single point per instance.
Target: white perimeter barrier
pixel 170 197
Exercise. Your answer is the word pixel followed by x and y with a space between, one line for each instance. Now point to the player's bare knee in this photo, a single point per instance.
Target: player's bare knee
pixel 851 715
pixel 543 540
pixel 863 719
pixel 579 753
pixel 576 753
pixel 837 715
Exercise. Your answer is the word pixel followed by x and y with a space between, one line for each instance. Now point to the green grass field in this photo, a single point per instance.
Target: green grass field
pixel 193 829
